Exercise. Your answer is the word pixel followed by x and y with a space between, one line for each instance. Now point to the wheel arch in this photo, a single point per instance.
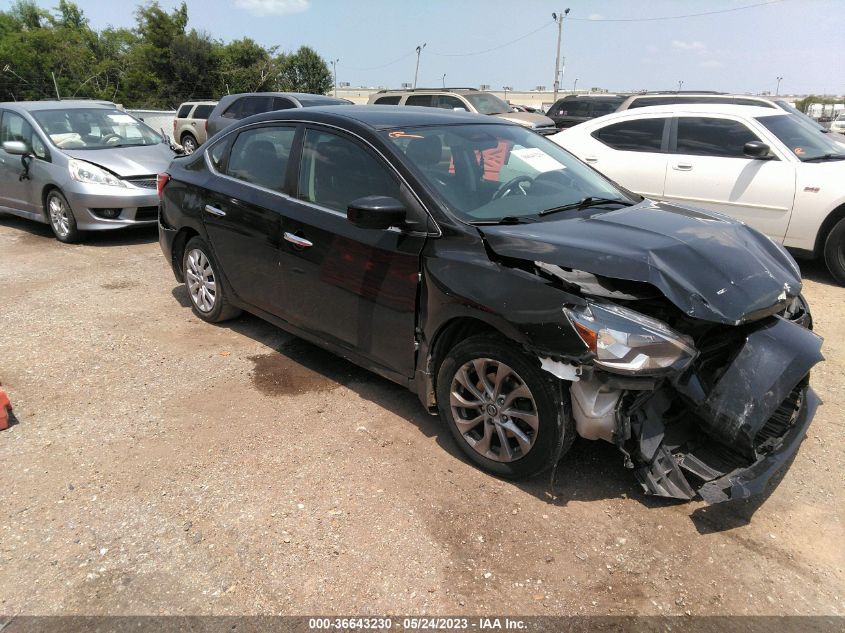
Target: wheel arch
pixel 829 222
pixel 45 192
pixel 177 253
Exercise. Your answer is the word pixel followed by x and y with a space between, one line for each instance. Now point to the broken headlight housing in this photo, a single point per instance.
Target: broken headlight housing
pixel 627 342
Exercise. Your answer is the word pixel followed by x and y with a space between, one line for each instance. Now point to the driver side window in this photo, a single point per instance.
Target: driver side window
pixel 15 128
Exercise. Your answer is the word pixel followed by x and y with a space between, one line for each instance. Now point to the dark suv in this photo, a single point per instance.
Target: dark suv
pixel 516 291
pixel 574 109
pixel 235 107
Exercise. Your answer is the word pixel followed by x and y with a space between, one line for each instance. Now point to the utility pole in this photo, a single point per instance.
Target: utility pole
pixel 417 71
pixel 559 19
pixel 777 90
pixel 334 72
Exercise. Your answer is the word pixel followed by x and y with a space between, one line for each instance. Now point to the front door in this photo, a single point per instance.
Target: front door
pixel 16 192
pixel 243 211
pixel 355 287
pixel 707 168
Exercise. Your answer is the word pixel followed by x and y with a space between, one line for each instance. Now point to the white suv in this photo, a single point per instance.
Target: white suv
pixel 759 165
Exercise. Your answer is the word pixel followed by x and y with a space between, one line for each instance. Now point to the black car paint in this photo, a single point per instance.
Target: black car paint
pixel 454 278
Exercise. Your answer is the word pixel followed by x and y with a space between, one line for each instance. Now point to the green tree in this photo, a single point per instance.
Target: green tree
pixel 248 67
pixel 304 71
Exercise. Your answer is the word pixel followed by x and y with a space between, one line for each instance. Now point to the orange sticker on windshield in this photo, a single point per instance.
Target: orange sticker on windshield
pixel 401 134
pixel 798 151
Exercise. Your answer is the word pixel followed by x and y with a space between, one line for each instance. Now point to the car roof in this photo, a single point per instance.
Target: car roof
pixel 702 108
pixel 295 95
pixel 66 104
pixel 379 117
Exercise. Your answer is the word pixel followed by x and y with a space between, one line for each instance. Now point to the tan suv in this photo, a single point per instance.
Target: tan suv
pixel 189 129
pixel 468 99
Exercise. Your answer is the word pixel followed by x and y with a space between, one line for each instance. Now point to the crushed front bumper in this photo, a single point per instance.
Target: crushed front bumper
pixel 724 439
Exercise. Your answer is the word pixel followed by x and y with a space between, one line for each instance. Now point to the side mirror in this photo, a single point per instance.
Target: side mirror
pixel 16 148
pixel 376 212
pixel 756 149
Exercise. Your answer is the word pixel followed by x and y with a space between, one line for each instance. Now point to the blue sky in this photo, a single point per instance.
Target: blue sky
pixel 743 50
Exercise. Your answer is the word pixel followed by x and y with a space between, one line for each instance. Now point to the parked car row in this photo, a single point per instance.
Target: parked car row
pixel 521 295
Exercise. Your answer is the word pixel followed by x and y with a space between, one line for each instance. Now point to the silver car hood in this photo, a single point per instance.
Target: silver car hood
pixel 527 119
pixel 143 160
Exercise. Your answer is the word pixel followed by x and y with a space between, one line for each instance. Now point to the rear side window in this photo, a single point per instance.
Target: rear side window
pixel 234 109
pixel 574 108
pixel 705 136
pixel 638 135
pixel 334 171
pixel 260 156
pixel 420 100
pixel 202 111
pixel 391 100
pixel 600 108
pixel 280 103
pixel 184 111
pixel 448 102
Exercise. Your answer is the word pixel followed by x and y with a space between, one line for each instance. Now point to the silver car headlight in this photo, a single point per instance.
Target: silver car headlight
pixel 627 342
pixel 82 171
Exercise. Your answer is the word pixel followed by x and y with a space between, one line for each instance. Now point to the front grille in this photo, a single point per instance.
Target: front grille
pixel 146 213
pixel 776 426
pixel 145 182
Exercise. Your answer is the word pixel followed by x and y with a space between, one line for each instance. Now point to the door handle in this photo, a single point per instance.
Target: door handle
pixel 214 210
pixel 683 167
pixel 296 240
pixel 590 159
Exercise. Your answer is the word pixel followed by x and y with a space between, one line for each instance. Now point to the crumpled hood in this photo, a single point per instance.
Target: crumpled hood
pixel 128 161
pixel 528 119
pixel 710 266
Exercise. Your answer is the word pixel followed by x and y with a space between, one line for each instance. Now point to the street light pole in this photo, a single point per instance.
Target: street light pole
pixel 680 85
pixel 417 71
pixel 575 86
pixel 334 72
pixel 443 79
pixel 777 90
pixel 559 19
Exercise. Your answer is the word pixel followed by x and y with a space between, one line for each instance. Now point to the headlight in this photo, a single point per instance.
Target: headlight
pixel 627 342
pixel 91 174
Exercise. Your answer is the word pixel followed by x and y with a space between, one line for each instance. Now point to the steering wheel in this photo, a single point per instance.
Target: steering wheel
pixel 507 187
pixel 109 137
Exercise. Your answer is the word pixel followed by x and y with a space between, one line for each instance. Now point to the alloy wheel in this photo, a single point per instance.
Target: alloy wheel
pixel 201 280
pixel 59 218
pixel 494 410
pixel 189 145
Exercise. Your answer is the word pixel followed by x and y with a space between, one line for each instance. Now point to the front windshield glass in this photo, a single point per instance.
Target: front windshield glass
pixel 801 140
pixel 490 173
pixel 94 128
pixel 487 103
pixel 803 117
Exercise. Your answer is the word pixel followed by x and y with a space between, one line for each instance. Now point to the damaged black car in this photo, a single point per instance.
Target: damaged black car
pixel 520 294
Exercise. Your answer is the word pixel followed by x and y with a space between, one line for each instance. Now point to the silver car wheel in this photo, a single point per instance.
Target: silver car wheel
pixel 494 410
pixel 59 216
pixel 201 280
pixel 189 145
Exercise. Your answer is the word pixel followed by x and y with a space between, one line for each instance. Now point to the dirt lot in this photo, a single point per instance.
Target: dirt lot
pixel 165 466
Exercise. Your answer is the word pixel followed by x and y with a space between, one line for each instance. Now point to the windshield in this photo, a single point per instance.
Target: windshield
pixel 804 142
pixel 94 128
pixel 487 103
pixel 803 117
pixel 491 173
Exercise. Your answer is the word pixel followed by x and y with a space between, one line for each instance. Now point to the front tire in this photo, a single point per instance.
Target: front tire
pixel 189 143
pixel 61 218
pixel 204 285
pixel 834 252
pixel 505 413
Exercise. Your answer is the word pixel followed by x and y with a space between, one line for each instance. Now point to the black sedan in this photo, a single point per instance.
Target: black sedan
pixel 516 291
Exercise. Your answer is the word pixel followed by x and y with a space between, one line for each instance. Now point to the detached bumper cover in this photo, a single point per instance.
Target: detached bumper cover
pixel 728 443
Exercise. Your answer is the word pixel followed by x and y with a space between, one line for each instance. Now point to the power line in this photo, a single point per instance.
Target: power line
pixel 495 48
pixel 677 17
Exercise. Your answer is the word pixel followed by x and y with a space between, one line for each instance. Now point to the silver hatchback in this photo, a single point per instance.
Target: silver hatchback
pixel 79 166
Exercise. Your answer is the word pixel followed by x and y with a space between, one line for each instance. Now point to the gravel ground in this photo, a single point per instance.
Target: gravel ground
pixel 162 465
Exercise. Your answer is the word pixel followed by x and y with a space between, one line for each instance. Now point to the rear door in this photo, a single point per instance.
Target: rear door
pixel 244 207
pixel 633 152
pixel 354 287
pixel 708 168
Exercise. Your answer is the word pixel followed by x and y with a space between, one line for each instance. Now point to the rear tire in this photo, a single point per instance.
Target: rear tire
pixel 189 143
pixel 514 421
pixel 834 252
pixel 206 289
pixel 61 218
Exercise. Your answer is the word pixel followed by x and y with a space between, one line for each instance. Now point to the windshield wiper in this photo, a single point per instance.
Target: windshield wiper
pixel 585 203
pixel 508 219
pixel 815 159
